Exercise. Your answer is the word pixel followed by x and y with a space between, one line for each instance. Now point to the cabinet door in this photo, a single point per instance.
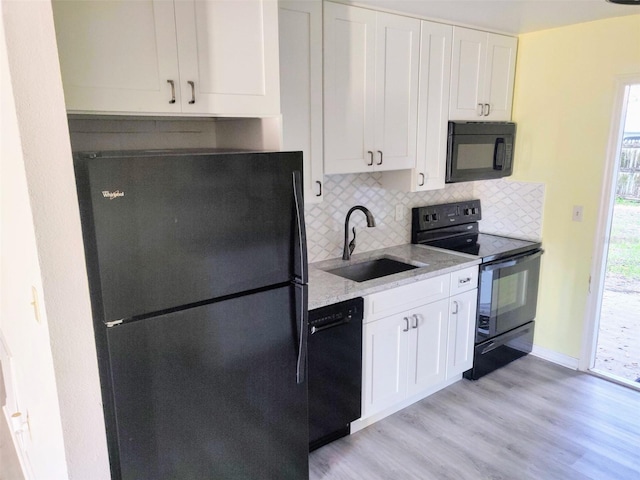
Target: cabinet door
pixel 467 74
pixel 500 73
pixel 229 50
pixel 396 78
pixel 117 56
pixel 435 70
pixel 300 30
pixel 427 346
pixel 462 327
pixel 349 79
pixel 384 376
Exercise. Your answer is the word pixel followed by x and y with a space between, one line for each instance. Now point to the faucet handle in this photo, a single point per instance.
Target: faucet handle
pixel 352 243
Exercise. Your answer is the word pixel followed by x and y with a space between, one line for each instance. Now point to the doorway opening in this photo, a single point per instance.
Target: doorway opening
pixel 617 353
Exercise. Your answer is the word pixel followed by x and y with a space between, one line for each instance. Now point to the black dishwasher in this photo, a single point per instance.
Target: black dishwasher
pixel 335 370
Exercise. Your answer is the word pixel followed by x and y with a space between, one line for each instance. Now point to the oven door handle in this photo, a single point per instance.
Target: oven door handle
pixel 526 257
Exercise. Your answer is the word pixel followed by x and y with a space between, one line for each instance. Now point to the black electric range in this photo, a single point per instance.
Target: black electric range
pixel 508 280
pixel 454 226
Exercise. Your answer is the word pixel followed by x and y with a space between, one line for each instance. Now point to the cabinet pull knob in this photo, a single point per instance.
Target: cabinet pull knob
pixel 380 158
pixel 455 303
pixel 415 321
pixel 370 157
pixel 488 109
pixel 193 92
pixel 173 91
pixel 462 281
pixel 319 194
pixel 406 329
pixel 421 184
pixel 480 110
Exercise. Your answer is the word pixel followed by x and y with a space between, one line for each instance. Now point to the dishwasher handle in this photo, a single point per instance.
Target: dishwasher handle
pixel 327 326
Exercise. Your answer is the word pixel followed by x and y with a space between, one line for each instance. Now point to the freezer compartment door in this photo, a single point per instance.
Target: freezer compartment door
pixel 167 230
pixel 211 392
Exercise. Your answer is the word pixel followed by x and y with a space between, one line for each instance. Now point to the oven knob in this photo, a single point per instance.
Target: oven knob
pixel 434 217
pixel 474 210
pixel 467 211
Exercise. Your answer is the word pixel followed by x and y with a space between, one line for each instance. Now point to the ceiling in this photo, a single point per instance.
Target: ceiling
pixel 507 16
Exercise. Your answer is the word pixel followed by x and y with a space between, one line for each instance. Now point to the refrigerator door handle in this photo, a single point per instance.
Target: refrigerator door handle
pixel 300 262
pixel 302 320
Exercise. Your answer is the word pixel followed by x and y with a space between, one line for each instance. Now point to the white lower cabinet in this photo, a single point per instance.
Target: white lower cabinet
pixel 427 346
pixel 411 353
pixel 462 330
pixel 404 354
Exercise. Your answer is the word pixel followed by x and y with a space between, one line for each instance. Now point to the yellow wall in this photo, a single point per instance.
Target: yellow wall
pixel 563 105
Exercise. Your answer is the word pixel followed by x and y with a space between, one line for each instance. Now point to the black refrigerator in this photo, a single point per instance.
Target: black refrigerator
pixel 197 271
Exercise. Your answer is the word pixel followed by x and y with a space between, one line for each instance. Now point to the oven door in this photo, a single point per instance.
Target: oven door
pixel 507 294
pixel 479 157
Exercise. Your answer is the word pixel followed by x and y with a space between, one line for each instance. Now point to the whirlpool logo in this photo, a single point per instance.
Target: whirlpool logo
pixel 112 195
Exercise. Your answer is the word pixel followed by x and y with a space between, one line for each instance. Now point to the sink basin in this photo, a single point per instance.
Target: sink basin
pixel 380 267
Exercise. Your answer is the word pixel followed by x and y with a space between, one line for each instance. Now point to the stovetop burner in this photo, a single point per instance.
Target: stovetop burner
pixel 454 226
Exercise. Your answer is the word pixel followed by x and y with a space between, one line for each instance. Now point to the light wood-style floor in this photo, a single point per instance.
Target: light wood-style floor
pixel 531 420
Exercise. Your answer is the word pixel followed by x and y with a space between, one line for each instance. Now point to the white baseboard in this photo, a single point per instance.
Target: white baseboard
pixel 555 357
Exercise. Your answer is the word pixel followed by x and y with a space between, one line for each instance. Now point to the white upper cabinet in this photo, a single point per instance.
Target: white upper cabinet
pixel 300 29
pixel 229 50
pixel 216 57
pixel 370 89
pixel 433 111
pixel 482 75
pixel 117 56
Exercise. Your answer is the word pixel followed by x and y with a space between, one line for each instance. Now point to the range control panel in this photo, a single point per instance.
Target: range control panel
pixel 444 215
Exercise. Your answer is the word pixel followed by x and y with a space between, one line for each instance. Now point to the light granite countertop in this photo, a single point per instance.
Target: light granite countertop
pixel 326 288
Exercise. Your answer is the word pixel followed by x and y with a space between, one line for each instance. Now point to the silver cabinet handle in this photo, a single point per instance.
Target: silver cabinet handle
pixel 173 91
pixel 462 281
pixel 480 110
pixel 406 329
pixel 455 303
pixel 415 321
pixel 370 157
pixel 319 194
pixel 488 109
pixel 380 158
pixel 193 92
pixel 421 184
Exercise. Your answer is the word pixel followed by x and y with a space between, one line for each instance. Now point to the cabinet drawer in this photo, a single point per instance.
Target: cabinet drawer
pixel 464 280
pixel 403 298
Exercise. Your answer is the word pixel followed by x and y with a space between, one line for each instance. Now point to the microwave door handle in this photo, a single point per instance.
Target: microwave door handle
pixel 498 154
pixel 512 261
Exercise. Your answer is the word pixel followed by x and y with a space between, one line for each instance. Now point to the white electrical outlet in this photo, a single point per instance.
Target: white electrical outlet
pixel 577 213
pixel 399 213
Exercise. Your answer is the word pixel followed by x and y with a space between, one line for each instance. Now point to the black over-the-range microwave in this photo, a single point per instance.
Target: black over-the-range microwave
pixel 479 150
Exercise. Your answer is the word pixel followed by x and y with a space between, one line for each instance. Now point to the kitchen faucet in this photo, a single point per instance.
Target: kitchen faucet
pixel 349 247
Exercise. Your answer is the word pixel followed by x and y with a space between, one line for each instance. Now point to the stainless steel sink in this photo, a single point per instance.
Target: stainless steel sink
pixel 380 267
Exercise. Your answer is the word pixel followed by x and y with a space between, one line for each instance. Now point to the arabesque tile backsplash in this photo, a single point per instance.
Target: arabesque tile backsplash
pixel 509 208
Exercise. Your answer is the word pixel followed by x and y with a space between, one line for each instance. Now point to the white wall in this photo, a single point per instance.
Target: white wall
pixel 27 362
pixel 38 149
